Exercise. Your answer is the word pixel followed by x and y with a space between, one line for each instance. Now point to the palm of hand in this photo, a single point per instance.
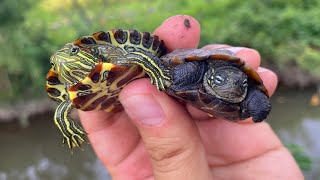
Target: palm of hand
pixel 187 143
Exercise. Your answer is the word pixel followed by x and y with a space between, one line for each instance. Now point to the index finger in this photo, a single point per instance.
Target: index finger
pixel 250 56
pixel 179 31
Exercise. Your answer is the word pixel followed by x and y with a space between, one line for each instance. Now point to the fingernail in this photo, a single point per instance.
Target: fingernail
pixel 144 109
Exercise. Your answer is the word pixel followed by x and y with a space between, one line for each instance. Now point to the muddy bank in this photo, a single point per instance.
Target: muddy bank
pixel 292 76
pixel 22 111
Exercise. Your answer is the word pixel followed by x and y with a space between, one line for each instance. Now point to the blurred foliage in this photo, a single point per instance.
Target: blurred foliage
pixel 303 160
pixel 284 32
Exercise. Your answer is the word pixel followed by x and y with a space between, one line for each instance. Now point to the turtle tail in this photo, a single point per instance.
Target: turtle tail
pixel 73 133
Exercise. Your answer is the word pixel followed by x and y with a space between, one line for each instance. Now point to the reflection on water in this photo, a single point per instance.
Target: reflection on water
pixel 36 152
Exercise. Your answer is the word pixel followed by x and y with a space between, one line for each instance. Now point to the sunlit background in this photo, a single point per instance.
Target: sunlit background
pixel 286 34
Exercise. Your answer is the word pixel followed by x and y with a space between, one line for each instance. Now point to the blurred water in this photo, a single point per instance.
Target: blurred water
pixel 36 153
pixel 296 122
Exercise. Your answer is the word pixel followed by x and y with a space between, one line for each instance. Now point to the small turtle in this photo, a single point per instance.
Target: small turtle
pixel 217 82
pixel 89 73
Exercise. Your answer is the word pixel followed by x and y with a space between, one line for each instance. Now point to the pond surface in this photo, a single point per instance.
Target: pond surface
pixel 296 122
pixel 36 152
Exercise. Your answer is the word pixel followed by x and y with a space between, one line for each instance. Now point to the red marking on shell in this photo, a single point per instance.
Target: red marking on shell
pixel 80 85
pixel 80 101
pixel 137 71
pixel 96 103
pixel 77 42
pixel 84 87
pixel 88 40
pixel 102 36
pixel 52 73
pixel 96 70
pixel 75 87
pixel 116 72
pixel 95 77
pixel 108 102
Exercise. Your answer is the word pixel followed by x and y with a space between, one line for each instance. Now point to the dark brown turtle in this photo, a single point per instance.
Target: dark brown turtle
pixel 217 82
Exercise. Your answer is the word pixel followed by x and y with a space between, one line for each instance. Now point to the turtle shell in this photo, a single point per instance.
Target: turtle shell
pixel 187 72
pixel 96 80
pixel 89 73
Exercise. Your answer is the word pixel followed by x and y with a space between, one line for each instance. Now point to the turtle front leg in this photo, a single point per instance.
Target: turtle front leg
pixel 73 133
pixel 188 76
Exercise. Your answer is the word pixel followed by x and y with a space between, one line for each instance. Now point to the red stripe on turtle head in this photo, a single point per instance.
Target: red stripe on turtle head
pixel 95 74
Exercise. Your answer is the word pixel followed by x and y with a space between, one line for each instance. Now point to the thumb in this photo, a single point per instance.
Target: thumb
pixel 169 135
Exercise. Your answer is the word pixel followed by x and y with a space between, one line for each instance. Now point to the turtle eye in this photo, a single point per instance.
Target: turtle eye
pixel 52 64
pixel 218 80
pixel 74 51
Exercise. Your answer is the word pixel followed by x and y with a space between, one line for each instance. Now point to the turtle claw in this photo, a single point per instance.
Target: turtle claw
pixel 73 133
pixel 74 140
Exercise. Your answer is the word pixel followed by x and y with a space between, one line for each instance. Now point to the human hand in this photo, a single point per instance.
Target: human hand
pixel 158 138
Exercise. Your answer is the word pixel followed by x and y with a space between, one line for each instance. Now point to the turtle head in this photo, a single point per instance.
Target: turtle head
pixel 73 63
pixel 227 83
pixel 256 104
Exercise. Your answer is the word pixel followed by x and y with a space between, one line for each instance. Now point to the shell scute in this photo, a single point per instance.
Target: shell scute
pixel 146 39
pixel 135 37
pixel 120 36
pixel 102 36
